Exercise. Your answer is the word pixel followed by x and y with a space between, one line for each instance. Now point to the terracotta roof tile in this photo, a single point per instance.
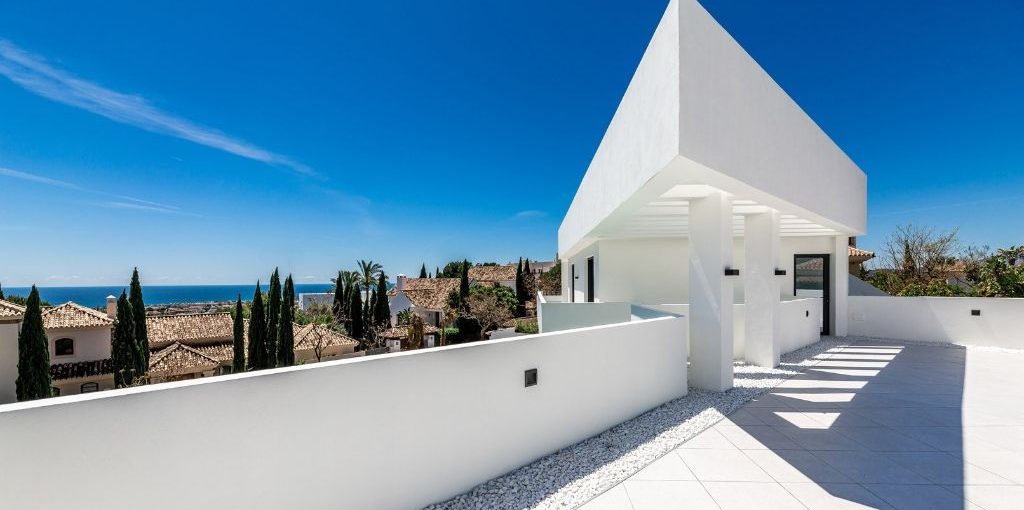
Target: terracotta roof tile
pixel 306 336
pixel 10 310
pixel 74 315
pixel 859 255
pixel 492 273
pixel 190 329
pixel 180 359
pixel 223 352
pixel 430 293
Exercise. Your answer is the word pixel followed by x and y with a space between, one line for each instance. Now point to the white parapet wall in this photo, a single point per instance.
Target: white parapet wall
pixel 562 316
pixel 395 431
pixel 800 324
pixel 999 323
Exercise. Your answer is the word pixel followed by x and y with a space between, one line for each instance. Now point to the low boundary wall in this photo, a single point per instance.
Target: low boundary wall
pixel 395 431
pixel 999 323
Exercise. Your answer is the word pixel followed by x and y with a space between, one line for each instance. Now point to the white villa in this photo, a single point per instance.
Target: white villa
pixel 708 242
pixel 182 347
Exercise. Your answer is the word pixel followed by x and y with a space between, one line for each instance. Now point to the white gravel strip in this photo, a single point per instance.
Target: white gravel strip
pixel 574 475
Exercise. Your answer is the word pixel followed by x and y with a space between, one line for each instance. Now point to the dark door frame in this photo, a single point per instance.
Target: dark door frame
pixel 590 279
pixel 826 287
pixel 572 280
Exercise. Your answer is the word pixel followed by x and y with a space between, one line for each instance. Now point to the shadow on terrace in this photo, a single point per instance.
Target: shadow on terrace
pixel 875 423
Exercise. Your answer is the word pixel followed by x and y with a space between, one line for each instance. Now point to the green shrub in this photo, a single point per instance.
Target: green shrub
pixel 530 328
pixel 469 329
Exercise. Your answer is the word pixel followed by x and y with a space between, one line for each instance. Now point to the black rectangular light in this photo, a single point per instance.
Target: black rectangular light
pixel 780 272
pixel 976 312
pixel 732 272
pixel 531 377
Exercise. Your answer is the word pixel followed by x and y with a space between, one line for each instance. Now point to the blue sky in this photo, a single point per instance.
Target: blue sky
pixel 208 143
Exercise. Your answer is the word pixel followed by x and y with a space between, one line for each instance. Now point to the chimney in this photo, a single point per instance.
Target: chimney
pixel 400 282
pixel 112 307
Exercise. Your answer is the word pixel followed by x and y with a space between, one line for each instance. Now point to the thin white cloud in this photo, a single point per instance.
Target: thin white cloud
pixel 529 214
pixel 136 206
pixel 123 202
pixel 35 74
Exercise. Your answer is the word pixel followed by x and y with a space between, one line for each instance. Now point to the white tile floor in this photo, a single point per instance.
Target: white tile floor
pixel 875 425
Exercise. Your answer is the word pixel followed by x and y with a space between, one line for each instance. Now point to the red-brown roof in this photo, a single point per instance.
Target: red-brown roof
pixel 74 315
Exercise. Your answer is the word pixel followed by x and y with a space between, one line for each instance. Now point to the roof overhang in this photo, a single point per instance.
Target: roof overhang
pixel 700 114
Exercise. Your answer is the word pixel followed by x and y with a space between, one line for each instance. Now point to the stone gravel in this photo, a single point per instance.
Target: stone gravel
pixel 574 475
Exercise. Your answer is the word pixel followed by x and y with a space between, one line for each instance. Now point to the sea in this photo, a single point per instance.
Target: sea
pixel 156 294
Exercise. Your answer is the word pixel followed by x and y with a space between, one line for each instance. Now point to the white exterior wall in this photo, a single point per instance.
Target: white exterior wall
pixel 737 121
pixel 8 361
pixel 397 304
pixel 799 324
pixel 90 344
pixel 654 270
pixel 484 424
pixel 940 319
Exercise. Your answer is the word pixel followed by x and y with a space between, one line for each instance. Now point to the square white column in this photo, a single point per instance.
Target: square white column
pixel 840 286
pixel 711 292
pixel 761 288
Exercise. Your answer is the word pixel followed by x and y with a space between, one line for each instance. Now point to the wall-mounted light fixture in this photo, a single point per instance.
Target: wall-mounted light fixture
pixel 531 377
pixel 976 313
pixel 780 272
pixel 732 272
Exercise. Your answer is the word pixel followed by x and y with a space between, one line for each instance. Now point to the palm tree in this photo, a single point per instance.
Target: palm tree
pixel 368 271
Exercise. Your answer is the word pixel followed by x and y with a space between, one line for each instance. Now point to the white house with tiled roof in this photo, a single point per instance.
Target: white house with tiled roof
pixel 186 346
pixel 426 297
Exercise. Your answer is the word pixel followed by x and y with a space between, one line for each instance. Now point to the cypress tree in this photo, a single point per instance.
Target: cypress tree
pixel 273 318
pixel 124 349
pixel 286 338
pixel 139 309
pixel 371 309
pixel 464 281
pixel 423 271
pixel 1 291
pixel 382 312
pixel 526 267
pixel 238 361
pixel 437 272
pixel 338 305
pixel 257 332
pixel 356 316
pixel 520 290
pixel 33 353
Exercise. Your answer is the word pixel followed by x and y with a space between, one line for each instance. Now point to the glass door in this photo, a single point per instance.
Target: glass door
pixel 811 280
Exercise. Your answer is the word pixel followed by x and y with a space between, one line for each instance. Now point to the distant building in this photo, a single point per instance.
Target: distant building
pixel 857 256
pixel 494 275
pixel 186 346
pixel 309 300
pixel 426 297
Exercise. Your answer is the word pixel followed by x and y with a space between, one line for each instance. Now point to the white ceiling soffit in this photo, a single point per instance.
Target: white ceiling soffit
pixel 668 216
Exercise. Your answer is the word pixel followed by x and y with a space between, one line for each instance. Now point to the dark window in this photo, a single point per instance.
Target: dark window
pixel 64 347
pixel 90 387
